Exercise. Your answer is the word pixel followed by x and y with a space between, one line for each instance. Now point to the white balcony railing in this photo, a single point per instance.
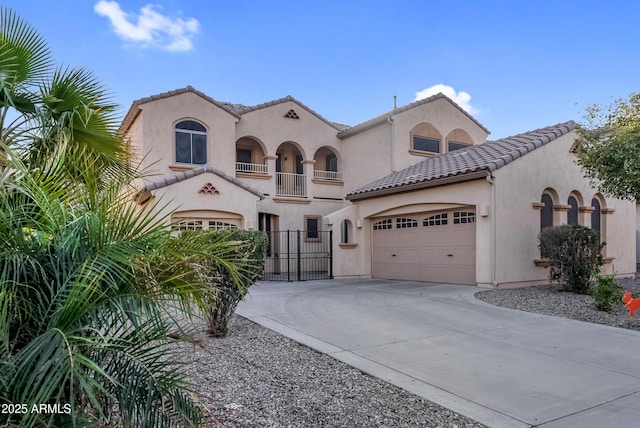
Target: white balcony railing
pixel 327 175
pixel 251 168
pixel 288 184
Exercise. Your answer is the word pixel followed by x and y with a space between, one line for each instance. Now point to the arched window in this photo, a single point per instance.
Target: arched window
pixel 546 213
pixel 345 232
pixel 425 138
pixel 596 216
pixel 572 215
pixel 191 142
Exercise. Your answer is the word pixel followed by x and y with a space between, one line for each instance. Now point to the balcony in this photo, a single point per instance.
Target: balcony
pixel 288 184
pixel 251 168
pixel 327 175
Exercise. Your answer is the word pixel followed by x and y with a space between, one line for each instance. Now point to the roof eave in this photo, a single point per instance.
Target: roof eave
pixel 457 178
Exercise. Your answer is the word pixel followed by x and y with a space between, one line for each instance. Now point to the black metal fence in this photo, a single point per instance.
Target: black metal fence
pixel 299 255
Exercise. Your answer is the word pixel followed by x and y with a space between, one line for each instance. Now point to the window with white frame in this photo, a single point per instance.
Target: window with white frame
pixel 191 142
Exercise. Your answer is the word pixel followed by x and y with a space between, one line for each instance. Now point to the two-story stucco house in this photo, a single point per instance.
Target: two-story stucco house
pixel 415 193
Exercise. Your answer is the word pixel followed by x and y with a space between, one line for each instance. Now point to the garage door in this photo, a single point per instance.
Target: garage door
pixel 434 246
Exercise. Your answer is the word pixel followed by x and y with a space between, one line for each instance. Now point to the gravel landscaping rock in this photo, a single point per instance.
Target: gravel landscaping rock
pixel 256 377
pixel 551 300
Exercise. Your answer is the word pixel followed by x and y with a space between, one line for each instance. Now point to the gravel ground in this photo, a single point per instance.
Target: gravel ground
pixel 550 300
pixel 256 377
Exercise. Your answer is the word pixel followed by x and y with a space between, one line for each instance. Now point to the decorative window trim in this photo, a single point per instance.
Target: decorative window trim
pixel 586 209
pixel 463 146
pixel 291 114
pixel 308 233
pixel 538 205
pixel 561 207
pixel 420 153
pixel 348 245
pixel 441 219
pixel 384 224
pixel 190 132
pixel 607 210
pixel 217 224
pixel 406 223
pixel 209 189
pixel 186 224
pixel 430 140
pixel 464 217
pixel 346 232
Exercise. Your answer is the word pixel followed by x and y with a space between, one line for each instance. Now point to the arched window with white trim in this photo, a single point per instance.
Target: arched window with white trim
pixel 191 142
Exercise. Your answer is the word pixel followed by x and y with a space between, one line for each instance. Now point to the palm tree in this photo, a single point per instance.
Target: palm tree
pixel 92 290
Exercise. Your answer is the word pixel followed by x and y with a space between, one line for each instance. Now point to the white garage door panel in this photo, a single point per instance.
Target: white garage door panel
pixel 440 253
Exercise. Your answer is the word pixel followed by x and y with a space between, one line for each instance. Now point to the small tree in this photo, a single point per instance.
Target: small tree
pixel 608 148
pixel 229 286
pixel 574 254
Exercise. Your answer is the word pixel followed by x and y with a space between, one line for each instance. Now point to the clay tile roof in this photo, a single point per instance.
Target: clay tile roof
pixel 168 181
pixel 462 165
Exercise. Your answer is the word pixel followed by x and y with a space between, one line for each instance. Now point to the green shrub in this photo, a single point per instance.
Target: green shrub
pixel 227 288
pixel 606 292
pixel 574 254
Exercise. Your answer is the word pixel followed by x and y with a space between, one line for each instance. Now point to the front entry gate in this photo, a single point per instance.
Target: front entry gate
pixel 299 255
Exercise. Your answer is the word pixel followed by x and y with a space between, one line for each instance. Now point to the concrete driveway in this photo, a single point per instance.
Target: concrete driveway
pixel 501 367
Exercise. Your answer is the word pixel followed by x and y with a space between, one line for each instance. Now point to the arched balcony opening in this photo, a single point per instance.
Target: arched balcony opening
pixel 326 166
pixel 250 157
pixel 290 177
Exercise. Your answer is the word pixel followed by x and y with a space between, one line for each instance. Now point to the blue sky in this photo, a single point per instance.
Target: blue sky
pixel 515 65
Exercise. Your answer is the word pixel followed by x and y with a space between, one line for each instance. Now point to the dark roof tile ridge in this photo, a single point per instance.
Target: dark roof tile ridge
pixel 490 156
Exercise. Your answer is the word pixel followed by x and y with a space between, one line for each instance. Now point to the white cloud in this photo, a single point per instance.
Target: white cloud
pixel 463 99
pixel 150 27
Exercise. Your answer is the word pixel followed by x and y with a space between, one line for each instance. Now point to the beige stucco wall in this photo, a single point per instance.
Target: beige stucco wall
pixel 440 113
pixel 230 199
pixel 269 125
pixel 158 129
pixel 505 258
pixel 386 147
pixel 521 183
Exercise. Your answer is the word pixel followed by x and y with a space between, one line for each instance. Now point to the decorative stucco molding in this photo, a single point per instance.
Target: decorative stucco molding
pixel 209 189
pixel 561 207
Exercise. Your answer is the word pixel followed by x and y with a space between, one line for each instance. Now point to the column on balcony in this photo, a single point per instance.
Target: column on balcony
pixel 307 165
pixel 270 161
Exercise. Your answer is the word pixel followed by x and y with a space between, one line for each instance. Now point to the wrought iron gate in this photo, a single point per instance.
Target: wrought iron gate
pixel 299 255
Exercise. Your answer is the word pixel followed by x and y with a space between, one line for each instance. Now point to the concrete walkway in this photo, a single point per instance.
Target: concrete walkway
pixel 501 367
